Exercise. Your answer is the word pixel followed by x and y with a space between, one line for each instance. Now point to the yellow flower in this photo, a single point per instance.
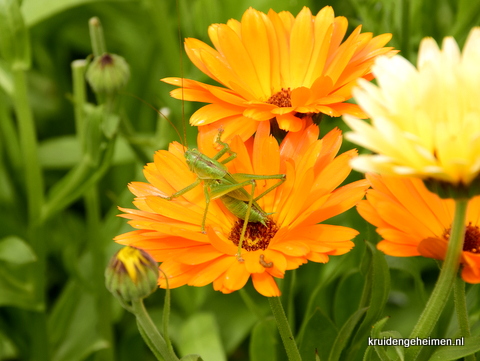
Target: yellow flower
pixel 171 230
pixel 413 221
pixel 425 121
pixel 278 66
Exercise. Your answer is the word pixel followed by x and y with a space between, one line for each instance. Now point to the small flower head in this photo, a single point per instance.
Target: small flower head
pixel 413 221
pixel 131 274
pixel 171 229
pixel 277 66
pixel 108 73
pixel 425 120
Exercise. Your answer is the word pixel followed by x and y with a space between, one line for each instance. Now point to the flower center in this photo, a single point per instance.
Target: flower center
pixel 472 238
pixel 282 99
pixel 257 236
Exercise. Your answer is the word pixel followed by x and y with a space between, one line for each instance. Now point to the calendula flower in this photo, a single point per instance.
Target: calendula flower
pixel 425 120
pixel 278 66
pixel 131 274
pixel 414 221
pixel 171 230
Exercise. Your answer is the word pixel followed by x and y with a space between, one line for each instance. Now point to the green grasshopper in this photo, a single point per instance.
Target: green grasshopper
pixel 218 183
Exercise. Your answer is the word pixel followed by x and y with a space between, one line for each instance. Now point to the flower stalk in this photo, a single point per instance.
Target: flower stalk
pixel 150 334
pixel 284 329
pixel 445 282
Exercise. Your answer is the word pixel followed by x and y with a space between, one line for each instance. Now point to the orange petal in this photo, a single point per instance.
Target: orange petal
pixel 265 284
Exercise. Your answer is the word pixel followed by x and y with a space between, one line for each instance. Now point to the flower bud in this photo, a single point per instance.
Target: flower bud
pixel 132 274
pixel 107 73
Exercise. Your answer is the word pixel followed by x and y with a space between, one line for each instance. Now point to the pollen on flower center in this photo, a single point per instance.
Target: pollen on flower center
pixel 257 236
pixel 472 238
pixel 281 99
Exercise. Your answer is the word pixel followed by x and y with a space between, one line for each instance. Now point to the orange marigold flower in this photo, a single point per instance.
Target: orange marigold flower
pixel 278 66
pixel 171 230
pixel 413 221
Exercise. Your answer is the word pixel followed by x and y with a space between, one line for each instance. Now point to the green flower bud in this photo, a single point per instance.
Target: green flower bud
pixel 107 73
pixel 132 274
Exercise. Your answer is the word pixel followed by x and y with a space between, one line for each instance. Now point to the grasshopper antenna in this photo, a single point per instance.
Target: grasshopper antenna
pixel 179 21
pixel 159 113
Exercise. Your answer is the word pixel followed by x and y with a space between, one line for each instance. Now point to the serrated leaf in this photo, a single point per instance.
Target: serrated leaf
pixel 13 249
pixel 200 335
pixel 264 341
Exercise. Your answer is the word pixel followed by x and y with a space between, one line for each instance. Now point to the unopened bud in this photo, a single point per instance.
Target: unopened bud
pixel 107 73
pixel 132 274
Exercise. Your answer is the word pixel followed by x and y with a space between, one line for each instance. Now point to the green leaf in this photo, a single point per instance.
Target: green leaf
pixel 191 358
pixel 15 250
pixel 35 11
pixel 6 79
pixel 60 152
pixel 375 295
pixel 376 329
pixel 319 334
pixel 200 334
pixel 264 341
pixel 17 285
pixel 73 325
pixel 447 353
pixel 345 333
pixel 411 266
pixel 7 348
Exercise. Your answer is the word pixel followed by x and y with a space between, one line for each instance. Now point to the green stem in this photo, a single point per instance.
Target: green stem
pixel 96 36
pixel 28 143
pixel 148 330
pixel 284 329
pixel 462 313
pixel 79 96
pixel 405 37
pixel 35 197
pixel 445 281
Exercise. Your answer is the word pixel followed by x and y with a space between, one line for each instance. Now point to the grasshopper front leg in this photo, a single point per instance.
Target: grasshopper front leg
pixel 225 149
pixel 181 192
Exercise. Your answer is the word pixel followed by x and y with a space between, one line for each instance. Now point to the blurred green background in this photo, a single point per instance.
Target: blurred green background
pixel 53 305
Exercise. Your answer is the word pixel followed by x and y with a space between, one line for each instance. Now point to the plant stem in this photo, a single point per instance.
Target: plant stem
pixel 462 312
pixel 152 337
pixel 96 36
pixel 28 143
pixel 445 281
pixel 79 96
pixel 34 187
pixel 284 329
